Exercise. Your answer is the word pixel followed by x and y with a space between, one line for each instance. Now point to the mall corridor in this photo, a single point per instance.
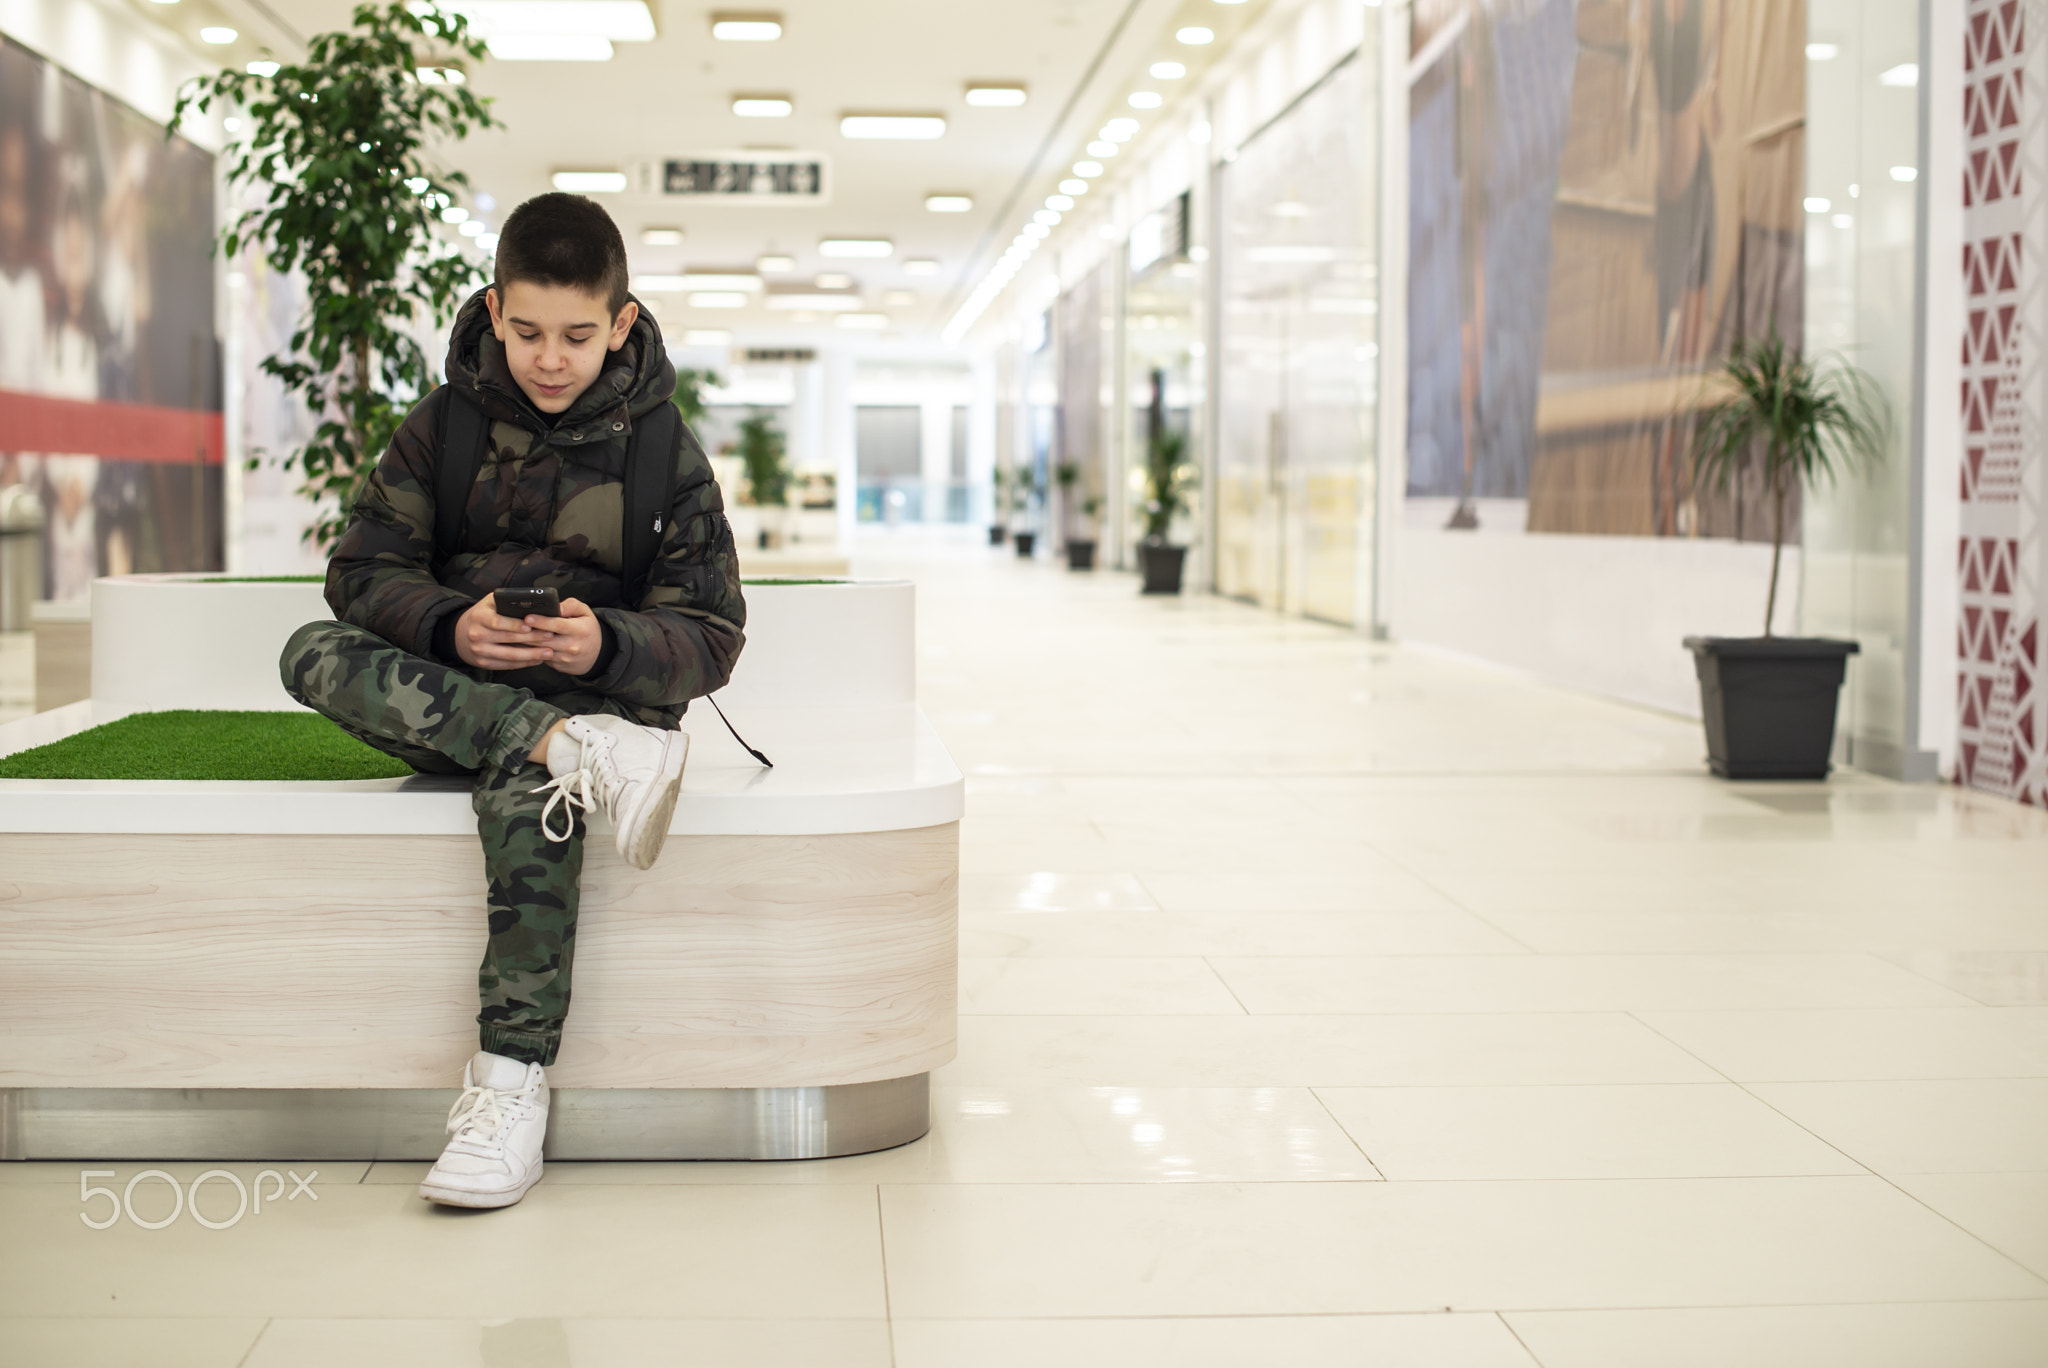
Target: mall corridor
pixel 1323 1002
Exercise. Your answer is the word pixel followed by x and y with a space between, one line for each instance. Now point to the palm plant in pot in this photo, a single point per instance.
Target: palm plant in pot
pixel 1769 702
pixel 1081 552
pixel 999 507
pixel 1167 481
pixel 1023 490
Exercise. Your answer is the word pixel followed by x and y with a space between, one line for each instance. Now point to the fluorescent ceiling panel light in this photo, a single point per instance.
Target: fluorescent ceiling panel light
pixel 949 204
pixel 1822 52
pixel 1073 187
pixel 813 301
pixel 996 96
pixel 661 237
pixel 832 280
pixel 621 21
pixel 551 47
pixel 761 106
pixel 472 228
pixel 657 284
pixel 721 280
pixel 1902 76
pixel 454 213
pixel 217 35
pixel 896 127
pixel 1291 255
pixel 1195 35
pixel 1145 99
pixel 774 265
pixel 1087 168
pixel 920 266
pixel 1059 203
pixel 746 28
pixel 718 299
pixel 862 248
pixel 1905 173
pixel 863 322
pixel 899 299
pixel 264 69
pixel 1168 71
pixel 707 337
pixel 1120 130
pixel 1103 147
pixel 1816 204
pixel 1046 218
pixel 590 182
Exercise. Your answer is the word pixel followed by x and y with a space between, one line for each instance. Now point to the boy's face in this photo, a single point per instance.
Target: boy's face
pixel 556 338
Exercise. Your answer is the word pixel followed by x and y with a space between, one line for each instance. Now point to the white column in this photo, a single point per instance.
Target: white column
pixel 935 452
pixel 835 423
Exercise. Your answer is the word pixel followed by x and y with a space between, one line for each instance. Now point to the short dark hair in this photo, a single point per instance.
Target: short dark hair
pixel 558 239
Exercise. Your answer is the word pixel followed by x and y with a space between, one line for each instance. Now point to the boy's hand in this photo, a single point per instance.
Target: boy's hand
pixel 491 642
pixel 574 639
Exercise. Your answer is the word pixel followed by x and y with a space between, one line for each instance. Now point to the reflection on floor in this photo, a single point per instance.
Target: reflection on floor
pixel 1326 1003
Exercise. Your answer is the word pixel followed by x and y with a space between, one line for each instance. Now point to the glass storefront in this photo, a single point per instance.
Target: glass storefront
pixel 1164 389
pixel 1298 346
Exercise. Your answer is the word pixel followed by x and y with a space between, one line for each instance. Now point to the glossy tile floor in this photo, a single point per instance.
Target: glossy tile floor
pixel 1326 1003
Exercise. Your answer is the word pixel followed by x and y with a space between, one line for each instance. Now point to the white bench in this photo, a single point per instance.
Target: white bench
pixel 288 970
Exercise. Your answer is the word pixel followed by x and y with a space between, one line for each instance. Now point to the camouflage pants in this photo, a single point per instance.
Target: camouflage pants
pixel 439 720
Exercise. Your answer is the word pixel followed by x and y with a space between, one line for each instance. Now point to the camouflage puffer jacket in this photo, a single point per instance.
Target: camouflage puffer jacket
pixel 545 511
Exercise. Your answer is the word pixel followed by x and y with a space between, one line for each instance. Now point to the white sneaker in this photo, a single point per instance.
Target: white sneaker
pixel 632 772
pixel 496 1126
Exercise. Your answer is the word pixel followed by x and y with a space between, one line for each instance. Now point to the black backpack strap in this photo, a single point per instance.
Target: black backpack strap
pixel 464 431
pixel 650 488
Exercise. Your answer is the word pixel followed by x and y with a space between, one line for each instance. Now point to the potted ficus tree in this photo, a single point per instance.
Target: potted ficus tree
pixel 334 153
pixel 1769 701
pixel 764 454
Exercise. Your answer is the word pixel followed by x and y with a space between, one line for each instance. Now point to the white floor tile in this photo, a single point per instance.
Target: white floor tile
pixel 1645 1130
pixel 1975 1125
pixel 967 1252
pixel 2008 1211
pixel 1019 986
pixel 533 1342
pixel 1438 1341
pixel 116 1341
pixel 1985 1334
pixel 1050 892
pixel 1997 978
pixel 1848 1044
pixel 1230 933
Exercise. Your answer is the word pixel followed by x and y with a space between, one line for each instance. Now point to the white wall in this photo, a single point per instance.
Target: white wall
pixel 1604 614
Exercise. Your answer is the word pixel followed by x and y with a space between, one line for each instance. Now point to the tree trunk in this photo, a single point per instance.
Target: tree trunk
pixel 1777 548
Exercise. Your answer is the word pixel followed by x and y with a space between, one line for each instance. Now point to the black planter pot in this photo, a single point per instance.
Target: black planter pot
pixel 1769 703
pixel 1162 566
pixel 1080 555
pixel 1025 542
pixel 998 535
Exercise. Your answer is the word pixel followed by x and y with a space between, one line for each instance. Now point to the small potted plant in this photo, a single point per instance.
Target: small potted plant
pixel 1081 553
pixel 1167 480
pixel 998 527
pixel 1769 702
pixel 1023 490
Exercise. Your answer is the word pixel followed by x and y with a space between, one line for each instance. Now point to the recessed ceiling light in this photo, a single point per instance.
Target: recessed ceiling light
pixel 590 182
pixel 1168 71
pixel 264 69
pixel 899 299
pixel 1102 147
pixel 621 21
pixel 1905 173
pixel 762 106
pixel 1036 230
pixel 657 284
pixel 746 28
pixel 551 47
pixel 863 322
pixel 707 337
pixel 1046 217
pixel 661 237
pixel 1145 99
pixel 774 265
pixel 1822 52
pixel 902 127
pixel 856 247
pixel 454 213
pixel 1120 130
pixel 996 96
pixel 920 266
pixel 1199 133
pixel 1058 203
pixel 811 301
pixel 718 299
pixel 217 35
pixel 1073 187
pixel 949 204
pixel 1087 168
pixel 1195 35
pixel 1900 76
pixel 471 228
pixel 832 280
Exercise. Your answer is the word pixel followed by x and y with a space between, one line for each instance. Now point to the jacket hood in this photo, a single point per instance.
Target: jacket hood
pixel 636 378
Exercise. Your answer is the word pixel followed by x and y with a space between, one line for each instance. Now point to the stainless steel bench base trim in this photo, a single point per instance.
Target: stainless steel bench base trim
pixel 343 1124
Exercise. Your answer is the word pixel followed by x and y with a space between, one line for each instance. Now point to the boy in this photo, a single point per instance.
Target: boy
pixel 550 714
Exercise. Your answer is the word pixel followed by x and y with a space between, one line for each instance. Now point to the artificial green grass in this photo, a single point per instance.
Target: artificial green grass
pixel 190 744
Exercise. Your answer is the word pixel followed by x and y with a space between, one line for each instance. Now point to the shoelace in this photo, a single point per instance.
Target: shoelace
pixel 480 1114
pixel 571 791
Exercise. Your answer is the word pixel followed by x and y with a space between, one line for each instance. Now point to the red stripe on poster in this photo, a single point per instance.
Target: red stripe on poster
pixel 117 432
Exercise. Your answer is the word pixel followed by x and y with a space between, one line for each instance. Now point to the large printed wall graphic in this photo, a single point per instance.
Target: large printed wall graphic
pixel 2002 705
pixel 1605 196
pixel 109 372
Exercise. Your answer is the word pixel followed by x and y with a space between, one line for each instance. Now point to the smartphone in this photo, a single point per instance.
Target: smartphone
pixel 522 603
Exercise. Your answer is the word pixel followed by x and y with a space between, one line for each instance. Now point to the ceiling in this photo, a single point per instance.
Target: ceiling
pixel 672 96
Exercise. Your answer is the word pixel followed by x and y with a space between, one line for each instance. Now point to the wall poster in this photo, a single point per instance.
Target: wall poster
pixel 1605 196
pixel 109 370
